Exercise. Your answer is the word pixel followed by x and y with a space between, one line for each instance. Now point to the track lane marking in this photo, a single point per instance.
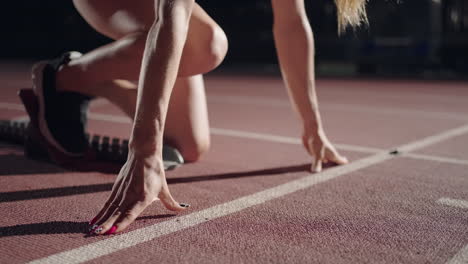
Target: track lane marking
pixel 133 238
pixel 110 118
pixel 286 140
pixel 431 140
pixel 453 202
pixel 462 254
pixel 21 118
pixel 435 158
pixel 461 257
pixel 236 99
pixel 99 102
pixel 275 138
pixel 241 134
pixel 12 106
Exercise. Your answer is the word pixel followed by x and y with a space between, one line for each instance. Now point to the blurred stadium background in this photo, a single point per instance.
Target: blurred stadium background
pixel 407 38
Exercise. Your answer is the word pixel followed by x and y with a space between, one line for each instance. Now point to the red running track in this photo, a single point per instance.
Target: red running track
pixel 252 199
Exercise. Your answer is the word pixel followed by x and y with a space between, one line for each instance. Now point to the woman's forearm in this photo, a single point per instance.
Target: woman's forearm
pixel 295 48
pixel 159 69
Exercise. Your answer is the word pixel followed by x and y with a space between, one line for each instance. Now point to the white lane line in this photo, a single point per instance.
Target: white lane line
pixel 286 140
pixel 285 103
pixel 12 106
pixel 21 118
pixel 249 100
pixel 297 141
pixel 126 240
pixel 237 133
pixel 275 138
pixel 394 111
pixel 435 139
pixel 252 135
pixel 462 254
pixel 99 102
pixel 91 115
pixel 461 257
pixel 453 202
pixel 435 158
pixel 15 106
pixel 110 118
pixel 236 99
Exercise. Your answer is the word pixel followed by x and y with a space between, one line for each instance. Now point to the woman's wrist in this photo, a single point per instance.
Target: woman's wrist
pixel 144 148
pixel 146 138
pixel 313 128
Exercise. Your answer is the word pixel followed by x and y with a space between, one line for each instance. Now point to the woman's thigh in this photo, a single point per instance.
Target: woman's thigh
pixel 117 18
pixel 206 43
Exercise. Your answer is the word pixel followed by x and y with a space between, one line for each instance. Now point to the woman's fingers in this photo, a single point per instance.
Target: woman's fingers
pixel 332 155
pixel 114 199
pixel 111 200
pixel 127 217
pixel 324 153
pixel 108 222
pixel 318 151
pixel 316 165
pixel 120 213
pixel 168 201
pixel 318 158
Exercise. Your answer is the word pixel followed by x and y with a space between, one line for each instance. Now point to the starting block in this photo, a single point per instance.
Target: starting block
pixel 105 153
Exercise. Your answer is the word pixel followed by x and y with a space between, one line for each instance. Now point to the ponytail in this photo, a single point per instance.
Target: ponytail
pixel 351 13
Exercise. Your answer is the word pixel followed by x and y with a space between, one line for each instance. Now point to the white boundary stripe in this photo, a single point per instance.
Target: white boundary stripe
pixel 357 148
pixel 278 139
pixel 393 111
pixel 99 102
pixel 15 106
pixel 453 202
pixel 12 106
pixel 126 240
pixel 252 135
pixel 461 257
pixel 285 103
pixel 227 132
pixel 286 140
pixel 21 118
pixel 435 158
pixel 336 107
pixel 110 118
pixel 435 139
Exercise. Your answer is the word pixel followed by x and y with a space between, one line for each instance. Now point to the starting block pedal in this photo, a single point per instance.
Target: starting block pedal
pixel 102 149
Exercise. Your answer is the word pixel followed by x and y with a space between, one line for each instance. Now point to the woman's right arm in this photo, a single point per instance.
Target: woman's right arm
pixel 142 180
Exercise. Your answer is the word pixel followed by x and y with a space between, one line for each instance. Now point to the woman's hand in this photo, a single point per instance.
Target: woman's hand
pixel 141 181
pixel 318 145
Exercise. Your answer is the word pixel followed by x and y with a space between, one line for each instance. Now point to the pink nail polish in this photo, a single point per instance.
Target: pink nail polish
pixel 111 231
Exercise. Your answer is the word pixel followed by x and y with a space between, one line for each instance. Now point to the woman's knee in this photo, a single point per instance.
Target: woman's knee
pixel 191 148
pixel 204 50
pixel 217 47
pixel 194 148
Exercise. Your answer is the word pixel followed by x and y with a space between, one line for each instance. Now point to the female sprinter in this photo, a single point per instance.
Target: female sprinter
pixel 166 45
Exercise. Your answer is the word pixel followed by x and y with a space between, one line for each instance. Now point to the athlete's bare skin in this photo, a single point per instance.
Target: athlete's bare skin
pixel 166 45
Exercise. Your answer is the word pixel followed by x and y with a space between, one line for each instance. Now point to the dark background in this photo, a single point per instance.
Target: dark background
pixel 411 38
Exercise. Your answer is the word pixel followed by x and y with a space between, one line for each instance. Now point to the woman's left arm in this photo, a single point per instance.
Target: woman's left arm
pixel 295 48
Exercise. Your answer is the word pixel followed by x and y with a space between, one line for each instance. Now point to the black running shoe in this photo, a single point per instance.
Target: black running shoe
pixel 62 115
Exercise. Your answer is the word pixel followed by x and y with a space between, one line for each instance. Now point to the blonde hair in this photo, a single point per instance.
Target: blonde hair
pixel 351 13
